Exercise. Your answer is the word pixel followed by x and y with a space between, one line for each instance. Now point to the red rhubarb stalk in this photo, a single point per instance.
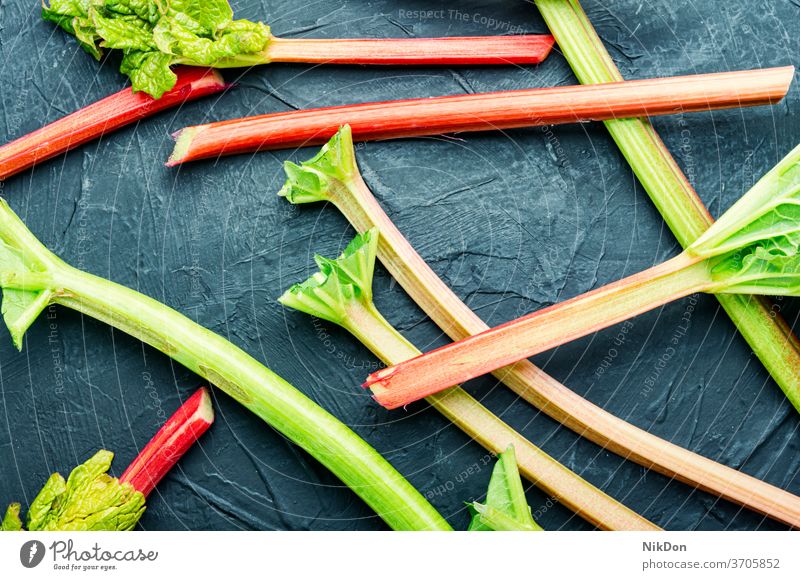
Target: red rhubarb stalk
pixel 482 112
pixel 104 116
pixel 171 442
pixel 466 50
pixel 537 332
pixel 197 33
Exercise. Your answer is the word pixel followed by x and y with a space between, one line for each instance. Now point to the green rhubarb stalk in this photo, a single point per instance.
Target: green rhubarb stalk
pixel 341 292
pixel 333 176
pixel 765 331
pixel 32 278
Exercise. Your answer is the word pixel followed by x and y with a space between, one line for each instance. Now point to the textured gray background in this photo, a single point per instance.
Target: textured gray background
pixel 513 222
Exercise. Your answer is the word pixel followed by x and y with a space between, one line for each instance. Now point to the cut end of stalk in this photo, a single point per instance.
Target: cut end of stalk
pixel 183 143
pixel 390 398
pixel 381 395
pixel 204 415
pixel 548 41
pixel 784 79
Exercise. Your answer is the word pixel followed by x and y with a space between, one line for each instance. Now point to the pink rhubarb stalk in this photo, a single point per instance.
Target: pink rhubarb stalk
pixel 537 332
pixel 171 442
pixel 104 116
pixel 455 51
pixel 483 112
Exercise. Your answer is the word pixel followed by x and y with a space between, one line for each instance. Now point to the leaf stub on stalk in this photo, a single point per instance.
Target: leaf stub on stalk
pixel 348 278
pixel 313 180
pixel 506 508
pixel 24 286
pixel 755 246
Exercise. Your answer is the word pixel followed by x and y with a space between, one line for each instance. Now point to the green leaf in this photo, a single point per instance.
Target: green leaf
pixel 753 247
pixel 74 17
pixel 495 520
pixel 128 32
pixel 87 36
pixel 20 307
pixel 338 283
pixel 43 504
pixel 174 38
pixel 11 521
pixel 506 507
pixel 212 15
pixel 149 72
pixel 241 37
pixel 156 35
pixel 90 500
pixel 316 179
pixel 146 10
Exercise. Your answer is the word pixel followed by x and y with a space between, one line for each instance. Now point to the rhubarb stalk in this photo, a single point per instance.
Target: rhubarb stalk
pixel 341 292
pixel 753 248
pixel 770 338
pixel 333 176
pixel 154 36
pixel 454 51
pixel 32 278
pixel 484 112
pixel 101 118
pixel 170 443
pixel 91 500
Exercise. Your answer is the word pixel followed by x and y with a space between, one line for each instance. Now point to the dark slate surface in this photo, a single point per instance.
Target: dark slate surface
pixel 513 222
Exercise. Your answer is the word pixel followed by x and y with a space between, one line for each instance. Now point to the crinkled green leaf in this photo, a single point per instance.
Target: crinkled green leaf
pixel 753 247
pixel 90 500
pixel 42 508
pixel 155 35
pixel 126 32
pixel 328 292
pixel 149 72
pixel 174 38
pixel 73 16
pixel 768 267
pixel 146 10
pixel 314 179
pixel 241 37
pixel 506 507
pixel 11 521
pixel 212 15
pixel 87 36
